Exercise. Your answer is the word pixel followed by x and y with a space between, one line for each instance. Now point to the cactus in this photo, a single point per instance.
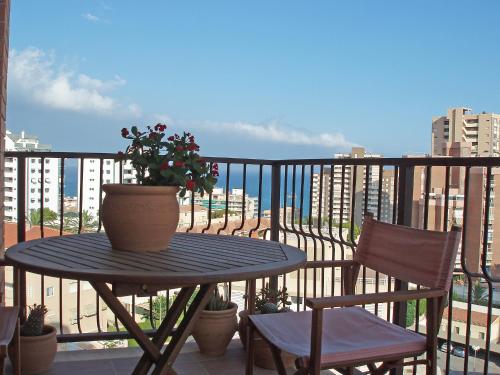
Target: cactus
pixel 269 308
pixel 217 302
pixel 271 300
pixel 33 326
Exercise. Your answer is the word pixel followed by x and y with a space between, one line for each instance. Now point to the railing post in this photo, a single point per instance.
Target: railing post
pixel 275 212
pixel 21 230
pixel 404 206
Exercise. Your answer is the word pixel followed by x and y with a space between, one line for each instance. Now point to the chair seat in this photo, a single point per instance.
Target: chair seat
pixel 8 321
pixel 350 335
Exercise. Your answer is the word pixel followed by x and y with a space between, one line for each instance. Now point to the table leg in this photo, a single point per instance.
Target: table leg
pixel 184 329
pixel 166 328
pixel 250 341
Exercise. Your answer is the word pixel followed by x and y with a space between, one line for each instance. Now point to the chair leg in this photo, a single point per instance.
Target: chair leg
pixel 16 341
pixel 250 348
pixel 3 353
pixel 278 361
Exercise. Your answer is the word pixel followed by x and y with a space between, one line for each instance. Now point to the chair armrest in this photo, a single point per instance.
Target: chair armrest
pixel 330 263
pixel 367 299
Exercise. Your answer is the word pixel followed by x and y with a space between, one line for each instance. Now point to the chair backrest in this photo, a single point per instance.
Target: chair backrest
pixel 418 256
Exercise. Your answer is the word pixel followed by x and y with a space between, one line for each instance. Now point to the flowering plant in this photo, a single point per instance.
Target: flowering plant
pixel 173 161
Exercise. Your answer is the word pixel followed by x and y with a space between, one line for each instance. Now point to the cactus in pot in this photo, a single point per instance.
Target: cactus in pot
pixel 38 343
pixel 268 301
pixel 33 326
pixel 216 325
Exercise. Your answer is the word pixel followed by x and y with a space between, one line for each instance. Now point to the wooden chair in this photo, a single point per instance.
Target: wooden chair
pixel 9 332
pixel 349 336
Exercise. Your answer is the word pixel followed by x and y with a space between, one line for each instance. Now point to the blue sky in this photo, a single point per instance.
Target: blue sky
pixel 261 79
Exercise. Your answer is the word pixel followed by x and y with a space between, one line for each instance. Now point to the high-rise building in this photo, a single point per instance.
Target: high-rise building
pixel 42 180
pixel 460 125
pixel 340 184
pixel 462 134
pixel 112 172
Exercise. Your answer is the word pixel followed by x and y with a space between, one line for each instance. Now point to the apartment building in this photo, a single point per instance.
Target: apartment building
pixel 112 172
pixel 340 184
pixel 460 125
pixel 236 202
pixel 463 134
pixel 42 179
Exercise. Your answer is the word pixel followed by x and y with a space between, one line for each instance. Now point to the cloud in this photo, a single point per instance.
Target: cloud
pixel 275 132
pixel 90 17
pixel 34 75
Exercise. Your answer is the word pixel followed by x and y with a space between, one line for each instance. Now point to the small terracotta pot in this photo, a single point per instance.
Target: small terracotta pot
pixel 37 352
pixel 263 357
pixel 140 218
pixel 214 330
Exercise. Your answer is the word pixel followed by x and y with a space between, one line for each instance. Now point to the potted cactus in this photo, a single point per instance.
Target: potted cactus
pixel 38 344
pixel 216 325
pixel 268 301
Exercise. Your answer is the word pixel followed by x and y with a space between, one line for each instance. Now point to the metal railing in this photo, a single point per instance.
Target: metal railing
pixel 316 205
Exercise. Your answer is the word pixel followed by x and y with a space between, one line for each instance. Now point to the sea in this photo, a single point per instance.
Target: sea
pixel 235 182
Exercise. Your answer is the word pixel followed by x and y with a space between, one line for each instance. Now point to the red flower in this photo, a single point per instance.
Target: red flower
pixel 193 147
pixel 215 173
pixel 215 167
pixel 160 127
pixel 164 165
pixel 190 184
pixel 179 148
pixel 191 139
pixel 171 138
pixel 125 132
pixel 179 164
pixel 152 135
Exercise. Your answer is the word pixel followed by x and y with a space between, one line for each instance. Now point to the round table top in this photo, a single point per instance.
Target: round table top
pixel 191 259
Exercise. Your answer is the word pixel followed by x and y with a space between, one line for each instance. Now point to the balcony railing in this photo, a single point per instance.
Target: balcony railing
pixel 314 204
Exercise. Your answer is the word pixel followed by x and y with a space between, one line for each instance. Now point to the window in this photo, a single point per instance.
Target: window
pixel 108 162
pixel 32 190
pixel 108 172
pixel 49 292
pixel 46 199
pixel 482 335
pixel 457 330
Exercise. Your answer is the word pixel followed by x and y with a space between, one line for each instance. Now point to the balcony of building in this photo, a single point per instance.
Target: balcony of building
pixel 321 216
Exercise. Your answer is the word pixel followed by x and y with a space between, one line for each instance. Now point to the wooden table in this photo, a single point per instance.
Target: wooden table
pixel 192 261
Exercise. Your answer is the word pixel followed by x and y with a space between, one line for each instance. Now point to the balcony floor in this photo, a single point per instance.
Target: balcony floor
pixel 122 361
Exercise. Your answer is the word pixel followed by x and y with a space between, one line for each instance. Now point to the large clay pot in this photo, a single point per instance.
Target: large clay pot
pixel 214 330
pixel 37 352
pixel 140 218
pixel 263 357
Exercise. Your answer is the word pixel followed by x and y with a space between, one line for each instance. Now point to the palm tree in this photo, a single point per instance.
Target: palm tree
pixel 479 294
pixel 35 217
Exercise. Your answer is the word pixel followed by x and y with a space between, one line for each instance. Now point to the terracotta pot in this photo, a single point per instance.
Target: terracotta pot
pixel 37 352
pixel 263 357
pixel 214 330
pixel 140 218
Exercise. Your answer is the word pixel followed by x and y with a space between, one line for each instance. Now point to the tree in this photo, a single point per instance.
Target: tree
pixel 479 294
pixel 159 308
pixel 411 311
pixel 35 216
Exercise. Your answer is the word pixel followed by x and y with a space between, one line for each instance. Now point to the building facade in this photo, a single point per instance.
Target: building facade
pixel 338 185
pixel 42 177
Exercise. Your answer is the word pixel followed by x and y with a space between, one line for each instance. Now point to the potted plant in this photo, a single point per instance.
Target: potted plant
pixel 268 301
pixel 143 217
pixel 38 343
pixel 216 325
